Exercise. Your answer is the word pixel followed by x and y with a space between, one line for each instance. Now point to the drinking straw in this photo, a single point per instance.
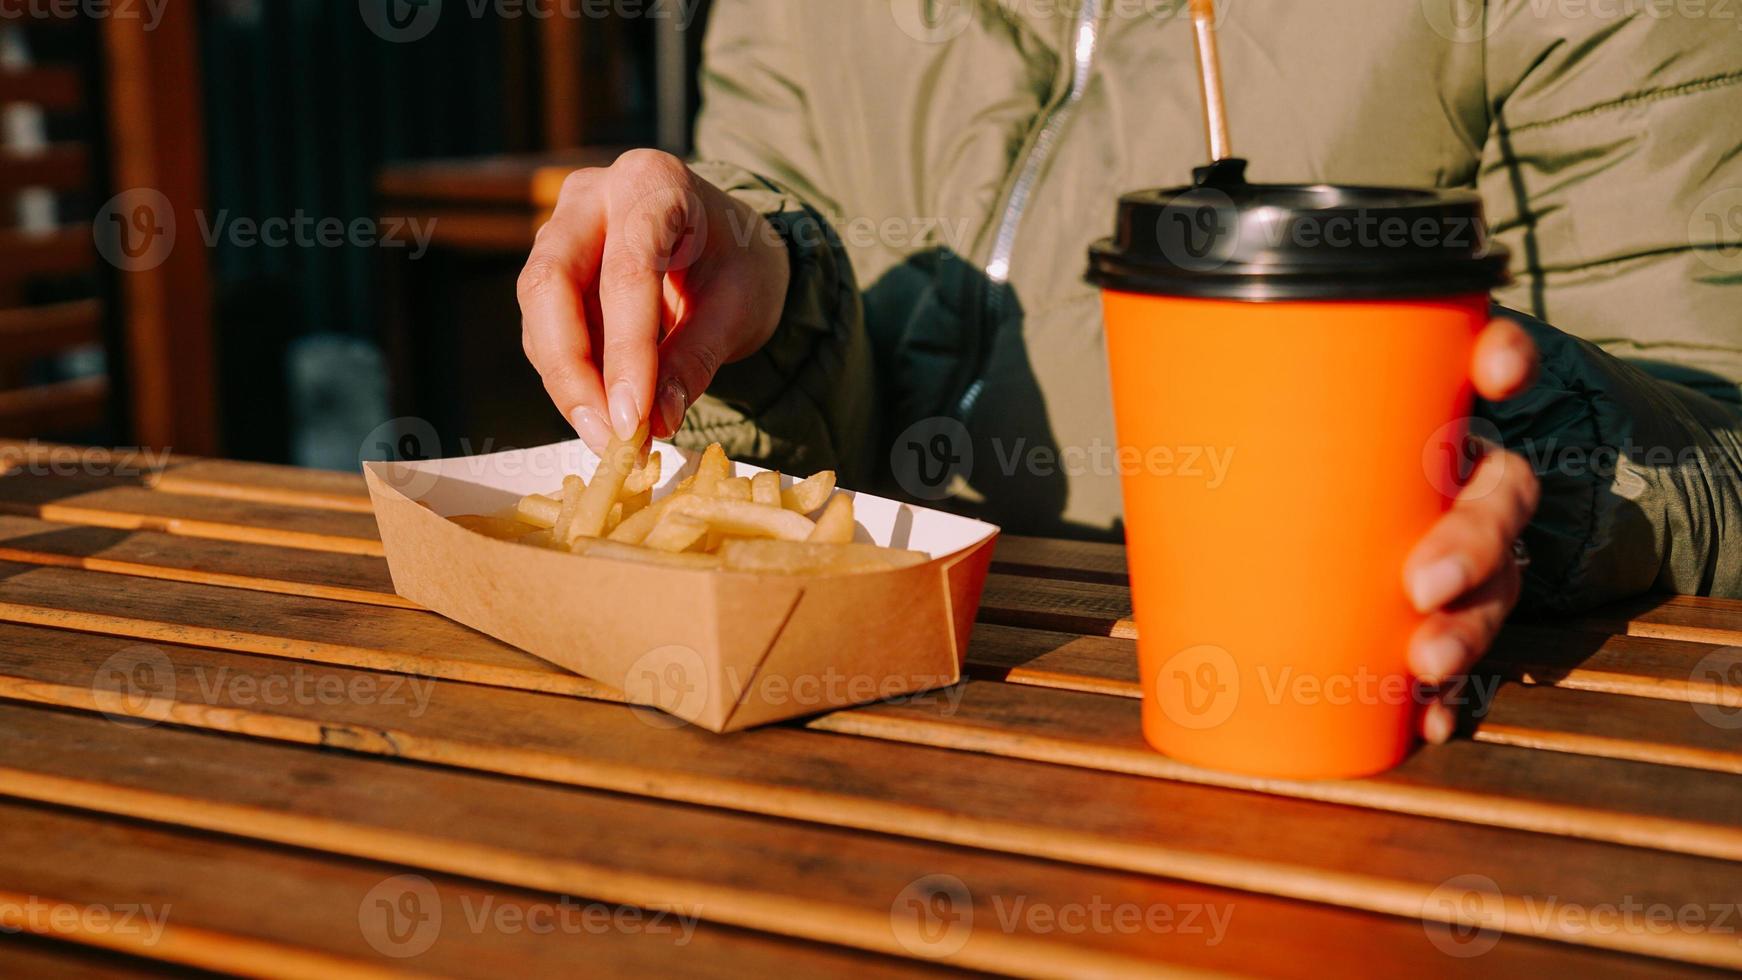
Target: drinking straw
pixel 1210 78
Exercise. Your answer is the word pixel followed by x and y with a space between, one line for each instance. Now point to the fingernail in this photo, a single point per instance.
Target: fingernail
pixel 1437 725
pixel 1437 659
pixel 625 414
pixel 673 401
pixel 1435 585
pixel 591 427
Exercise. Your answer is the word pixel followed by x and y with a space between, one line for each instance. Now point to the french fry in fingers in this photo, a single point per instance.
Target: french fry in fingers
pixel 809 493
pixel 812 558
pixel 743 518
pixel 835 524
pixel 599 496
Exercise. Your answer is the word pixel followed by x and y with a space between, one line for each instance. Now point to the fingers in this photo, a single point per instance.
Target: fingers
pixel 1451 640
pixel 1473 541
pixel 1504 361
pixel 1464 576
pixel 554 331
pixel 1449 643
pixel 651 219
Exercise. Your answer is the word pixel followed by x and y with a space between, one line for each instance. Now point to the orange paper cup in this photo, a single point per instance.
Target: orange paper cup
pixel 1283 447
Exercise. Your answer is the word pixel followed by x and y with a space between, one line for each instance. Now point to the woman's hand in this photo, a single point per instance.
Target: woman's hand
pixel 645 280
pixel 1463 573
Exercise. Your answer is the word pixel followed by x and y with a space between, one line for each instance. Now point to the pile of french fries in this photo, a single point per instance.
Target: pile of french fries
pixel 711 519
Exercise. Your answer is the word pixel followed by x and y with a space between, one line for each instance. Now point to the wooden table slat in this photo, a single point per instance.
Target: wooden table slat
pixel 267 484
pixel 122 501
pixel 788 772
pixel 271 912
pixel 417 643
pixel 542 836
pixel 800 880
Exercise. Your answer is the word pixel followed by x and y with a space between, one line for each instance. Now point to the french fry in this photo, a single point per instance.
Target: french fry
pixel 633 503
pixel 596 500
pixel 636 526
pixel 812 558
pixel 733 488
pixel 743 518
pixel 538 510
pixel 809 493
pixel 765 488
pixel 643 478
pixel 573 487
pixel 709 519
pixel 835 524
pixel 676 532
pixel 710 469
pixel 606 548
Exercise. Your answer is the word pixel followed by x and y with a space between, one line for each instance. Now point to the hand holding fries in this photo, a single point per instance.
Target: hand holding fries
pixel 710 519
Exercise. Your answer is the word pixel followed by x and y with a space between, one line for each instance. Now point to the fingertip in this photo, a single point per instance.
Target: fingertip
pixel 590 427
pixel 1436 657
pixel 1504 361
pixel 1438 724
pixel 669 406
pixel 1431 585
pixel 626 413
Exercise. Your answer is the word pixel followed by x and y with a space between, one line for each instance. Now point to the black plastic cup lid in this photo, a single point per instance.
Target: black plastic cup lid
pixel 1224 238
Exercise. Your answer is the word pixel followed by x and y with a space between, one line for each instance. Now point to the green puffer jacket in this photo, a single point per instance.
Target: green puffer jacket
pixel 940 167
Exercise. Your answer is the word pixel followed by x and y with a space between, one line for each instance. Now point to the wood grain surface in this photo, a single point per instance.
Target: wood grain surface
pixel 186 641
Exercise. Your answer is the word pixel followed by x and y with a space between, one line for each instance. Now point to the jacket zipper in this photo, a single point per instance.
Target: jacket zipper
pixel 1085 36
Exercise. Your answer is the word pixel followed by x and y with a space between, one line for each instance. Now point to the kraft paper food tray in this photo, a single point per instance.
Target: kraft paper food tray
pixel 724 650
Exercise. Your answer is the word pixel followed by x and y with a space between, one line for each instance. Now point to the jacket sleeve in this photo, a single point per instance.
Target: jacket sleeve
pixel 1613 138
pixel 1641 479
pixel 805 400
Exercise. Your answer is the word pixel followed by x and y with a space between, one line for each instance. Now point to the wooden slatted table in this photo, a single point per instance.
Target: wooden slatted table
pixel 226 744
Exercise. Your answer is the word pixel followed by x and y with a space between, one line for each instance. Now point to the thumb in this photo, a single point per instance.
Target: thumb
pixel 688 360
